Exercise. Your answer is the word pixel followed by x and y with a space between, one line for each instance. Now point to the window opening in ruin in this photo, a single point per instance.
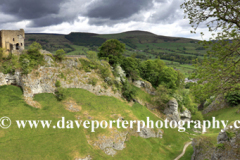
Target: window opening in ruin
pixel 17 46
pixel 13 39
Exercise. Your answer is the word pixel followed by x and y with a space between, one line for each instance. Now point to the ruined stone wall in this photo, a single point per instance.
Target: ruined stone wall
pixel 12 40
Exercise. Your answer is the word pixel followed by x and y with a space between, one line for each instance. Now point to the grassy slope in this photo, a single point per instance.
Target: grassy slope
pixel 70 143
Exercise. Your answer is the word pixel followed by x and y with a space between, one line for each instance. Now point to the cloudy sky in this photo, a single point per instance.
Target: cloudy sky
pixel 162 17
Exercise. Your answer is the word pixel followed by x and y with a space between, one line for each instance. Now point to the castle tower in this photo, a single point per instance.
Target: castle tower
pixel 12 41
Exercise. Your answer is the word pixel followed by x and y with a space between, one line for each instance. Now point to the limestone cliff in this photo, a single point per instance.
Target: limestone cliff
pixel 227 147
pixel 43 79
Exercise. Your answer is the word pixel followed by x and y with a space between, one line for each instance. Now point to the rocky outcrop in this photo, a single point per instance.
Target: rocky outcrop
pixel 185 115
pixel 217 104
pixel 173 114
pixel 110 145
pixel 171 110
pixel 203 148
pixel 228 145
pixel 148 133
pixel 43 79
pixel 227 148
pixel 147 86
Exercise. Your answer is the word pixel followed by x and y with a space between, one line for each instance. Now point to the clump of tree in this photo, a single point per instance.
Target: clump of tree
pixel 112 51
pixel 154 71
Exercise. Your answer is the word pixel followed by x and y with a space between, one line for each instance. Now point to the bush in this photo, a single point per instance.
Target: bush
pixel 60 94
pixel 104 70
pixel 58 84
pixel 60 54
pixel 93 81
pixel 35 45
pixel 233 98
pixel 220 146
pixel 197 116
pixel 189 84
pixel 31 59
pixel 92 55
pixel 128 91
pixel 10 64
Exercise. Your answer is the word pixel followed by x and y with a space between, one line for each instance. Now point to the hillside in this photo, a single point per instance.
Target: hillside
pixel 78 143
pixel 88 96
pixel 145 44
pixel 177 52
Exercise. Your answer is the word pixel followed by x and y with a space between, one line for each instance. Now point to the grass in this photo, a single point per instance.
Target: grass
pixel 188 153
pixel 72 143
pixel 223 114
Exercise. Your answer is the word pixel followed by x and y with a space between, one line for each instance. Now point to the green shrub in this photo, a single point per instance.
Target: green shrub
pixel 128 91
pixel 93 81
pixel 220 146
pixel 230 134
pixel 11 64
pixel 35 45
pixel 189 84
pixel 58 84
pixel 60 93
pixel 30 60
pixel 104 71
pixel 197 116
pixel 233 98
pixel 60 54
pixel 85 65
pixel 62 76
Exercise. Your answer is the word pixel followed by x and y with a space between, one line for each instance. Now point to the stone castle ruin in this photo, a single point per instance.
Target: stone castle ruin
pixel 12 41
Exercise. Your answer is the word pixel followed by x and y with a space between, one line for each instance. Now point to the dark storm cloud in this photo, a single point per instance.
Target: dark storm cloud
pixel 99 12
pixel 168 12
pixel 30 9
pixel 117 10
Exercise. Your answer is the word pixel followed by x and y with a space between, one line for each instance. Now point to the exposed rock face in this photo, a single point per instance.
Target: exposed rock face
pixel 217 104
pixel 148 133
pixel 147 86
pixel 173 114
pixel 185 115
pixel 44 78
pixel 203 149
pixel 110 145
pixel 171 110
pixel 227 149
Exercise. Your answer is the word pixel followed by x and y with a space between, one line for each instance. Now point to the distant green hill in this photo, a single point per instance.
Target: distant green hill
pixel 144 45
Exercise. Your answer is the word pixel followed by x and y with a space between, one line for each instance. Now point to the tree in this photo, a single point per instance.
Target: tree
pixel 131 67
pixel 35 45
pixel 151 70
pixel 219 72
pixel 60 54
pixel 112 50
